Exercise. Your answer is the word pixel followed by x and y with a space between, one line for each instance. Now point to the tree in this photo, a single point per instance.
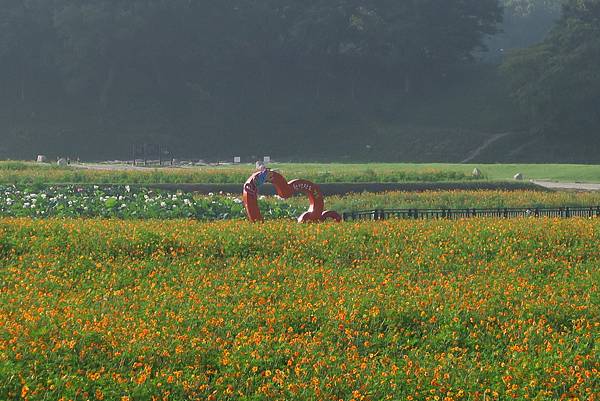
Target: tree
pixel 415 38
pixel 527 7
pixel 26 43
pixel 558 82
pixel 103 40
pixel 153 64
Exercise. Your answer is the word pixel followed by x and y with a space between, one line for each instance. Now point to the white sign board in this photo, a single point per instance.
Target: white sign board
pixel 267 159
pixel 237 159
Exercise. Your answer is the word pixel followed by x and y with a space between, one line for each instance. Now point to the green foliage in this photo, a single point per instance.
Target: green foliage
pixel 440 32
pixel 320 173
pixel 96 44
pixel 525 23
pixel 97 309
pixel 455 200
pixel 527 7
pixel 22 173
pixel 557 82
pixel 174 69
pixel 13 166
pixel 122 203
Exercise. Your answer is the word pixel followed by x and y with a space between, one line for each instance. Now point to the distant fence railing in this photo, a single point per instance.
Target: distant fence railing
pixel 507 213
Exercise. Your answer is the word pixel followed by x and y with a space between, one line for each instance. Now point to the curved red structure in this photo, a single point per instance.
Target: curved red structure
pixel 286 190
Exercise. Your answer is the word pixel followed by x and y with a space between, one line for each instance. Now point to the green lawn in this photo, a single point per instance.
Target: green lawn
pixel 558 172
pixel 18 172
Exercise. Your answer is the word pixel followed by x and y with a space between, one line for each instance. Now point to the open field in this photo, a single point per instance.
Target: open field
pixel 138 203
pixel 13 173
pixel 495 172
pixel 468 310
pixel 19 172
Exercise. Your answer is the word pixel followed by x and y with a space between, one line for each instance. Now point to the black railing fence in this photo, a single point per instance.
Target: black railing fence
pixel 507 213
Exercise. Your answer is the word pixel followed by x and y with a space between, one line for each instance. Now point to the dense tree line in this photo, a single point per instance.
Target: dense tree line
pixel 557 82
pixel 105 48
pixel 525 22
pixel 176 66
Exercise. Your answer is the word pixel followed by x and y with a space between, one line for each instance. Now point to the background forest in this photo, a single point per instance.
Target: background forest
pixel 410 80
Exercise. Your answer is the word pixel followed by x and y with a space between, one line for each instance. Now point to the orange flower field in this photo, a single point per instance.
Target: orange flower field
pixel 401 310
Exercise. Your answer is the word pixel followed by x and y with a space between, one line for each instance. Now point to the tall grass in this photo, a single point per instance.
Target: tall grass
pixel 22 173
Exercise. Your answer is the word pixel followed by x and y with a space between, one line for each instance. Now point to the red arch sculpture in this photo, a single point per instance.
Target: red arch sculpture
pixel 286 190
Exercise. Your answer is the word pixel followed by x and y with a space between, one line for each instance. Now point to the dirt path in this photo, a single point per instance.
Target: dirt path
pixel 568 186
pixel 484 146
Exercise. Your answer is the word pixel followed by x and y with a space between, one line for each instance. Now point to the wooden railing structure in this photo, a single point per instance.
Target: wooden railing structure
pixel 453 214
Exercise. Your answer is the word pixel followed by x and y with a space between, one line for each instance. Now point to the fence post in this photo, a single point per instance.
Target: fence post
pixel 447 213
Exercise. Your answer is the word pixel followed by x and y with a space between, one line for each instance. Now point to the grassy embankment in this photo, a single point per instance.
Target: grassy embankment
pixel 27 173
pixel 473 310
